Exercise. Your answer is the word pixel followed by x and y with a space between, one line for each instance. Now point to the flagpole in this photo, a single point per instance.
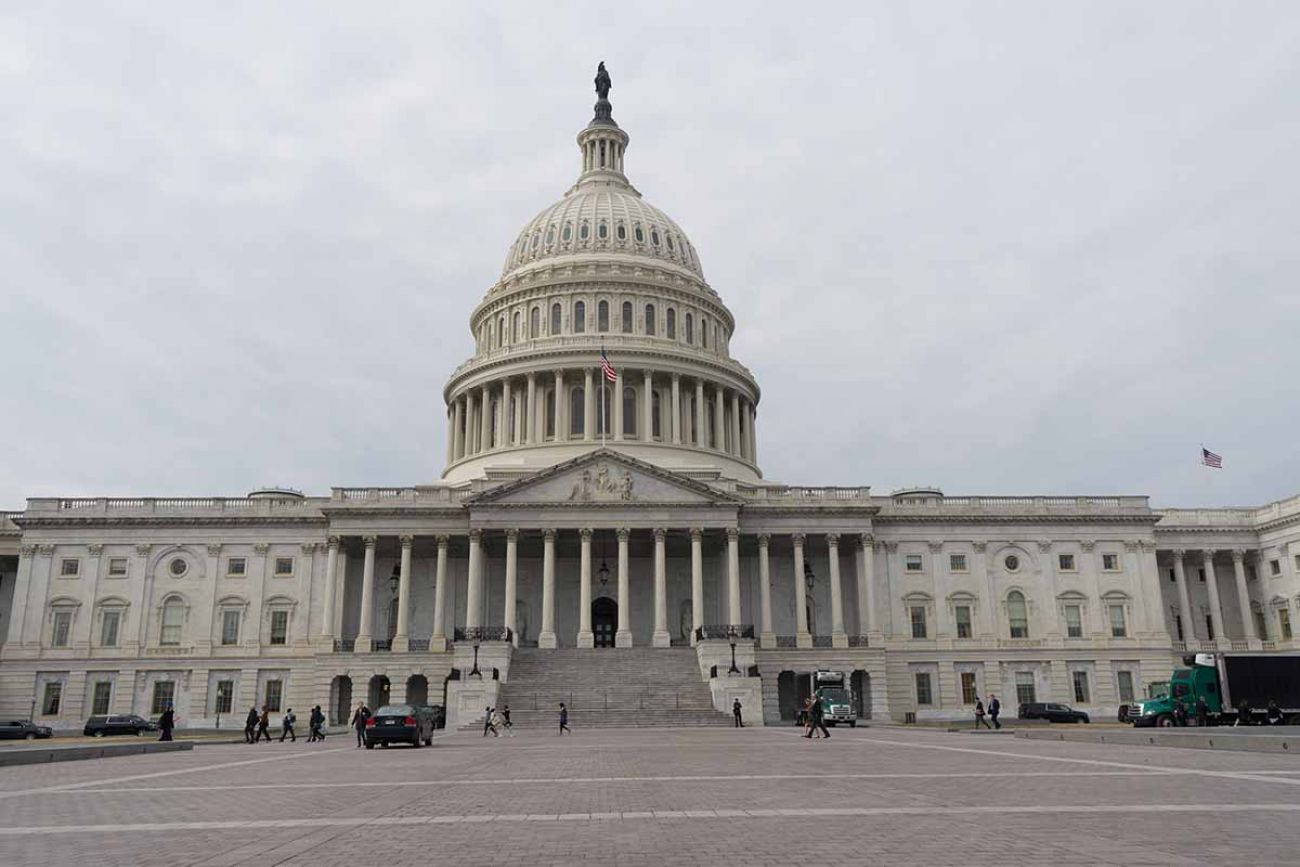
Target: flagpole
pixel 601 421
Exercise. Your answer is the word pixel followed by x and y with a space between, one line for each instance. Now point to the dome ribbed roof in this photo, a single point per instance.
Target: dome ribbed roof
pixel 604 219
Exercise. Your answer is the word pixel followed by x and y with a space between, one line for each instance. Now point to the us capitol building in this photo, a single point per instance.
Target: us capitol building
pixel 607 538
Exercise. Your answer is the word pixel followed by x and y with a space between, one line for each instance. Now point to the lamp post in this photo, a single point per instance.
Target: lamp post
pixel 475 670
pixel 731 634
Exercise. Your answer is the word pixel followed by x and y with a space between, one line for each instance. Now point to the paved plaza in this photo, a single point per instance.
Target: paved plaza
pixel 660 796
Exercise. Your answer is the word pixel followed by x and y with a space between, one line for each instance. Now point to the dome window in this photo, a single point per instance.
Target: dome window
pixel 555 319
pixel 579 317
pixel 550 236
pixel 567 234
pixel 669 239
pixel 650 319
pixel 535 323
pixel 602 231
pixel 537 238
pixel 640 236
pixel 690 328
pixel 627 317
pixel 654 237
pixel 670 324
pixel 602 316
pixel 584 232
pixel 704 332
pixel 621 232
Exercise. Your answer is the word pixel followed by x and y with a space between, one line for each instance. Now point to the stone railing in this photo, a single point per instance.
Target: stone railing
pixel 478 634
pixel 1249 518
pixel 128 506
pixel 791 493
pixel 418 645
pixel 384 645
pixel 1009 643
pixel 421 496
pixel 938 504
pixel 345 645
pixel 858 641
pixel 724 631
pixel 7 524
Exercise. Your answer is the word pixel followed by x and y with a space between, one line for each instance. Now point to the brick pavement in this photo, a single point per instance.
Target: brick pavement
pixel 665 796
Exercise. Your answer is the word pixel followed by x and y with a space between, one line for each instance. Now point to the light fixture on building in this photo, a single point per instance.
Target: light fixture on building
pixel 603 572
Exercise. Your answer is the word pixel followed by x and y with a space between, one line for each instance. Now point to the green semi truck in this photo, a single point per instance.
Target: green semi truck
pixel 1227 682
pixel 832 691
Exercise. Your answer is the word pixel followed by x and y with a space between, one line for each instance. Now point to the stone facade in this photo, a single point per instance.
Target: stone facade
pixel 583 506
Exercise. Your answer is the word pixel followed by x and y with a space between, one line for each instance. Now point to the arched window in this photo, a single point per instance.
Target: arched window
pixel 536 239
pixel 670 326
pixel 519 324
pixel 602 231
pixel 1018 614
pixel 567 234
pixel 492 336
pixel 704 332
pixel 535 323
pixel 602 316
pixel 655 417
pixel 621 232
pixel 669 239
pixel 555 319
pixel 604 410
pixel 550 236
pixel 579 317
pixel 640 236
pixel 690 328
pixel 173 622
pixel 577 411
pixel 550 413
pixel 501 331
pixel 584 231
pixel 654 237
pixel 629 412
pixel 650 319
pixel 627 317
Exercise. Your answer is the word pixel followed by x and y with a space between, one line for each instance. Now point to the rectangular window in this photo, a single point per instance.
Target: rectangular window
pixel 1261 626
pixel 1073 621
pixel 1200 574
pixel 274 690
pixel 1065 562
pixel 1081 688
pixel 1124 679
pixel 912 563
pixel 236 567
pixel 70 567
pixel 225 696
pixel 923 696
pixel 1297 562
pixel 279 627
pixel 117 567
pixel 229 627
pixel 1025 693
pixel 956 562
pixel 918 621
pixel 52 699
pixel 1209 627
pixel 108 629
pixel 962 614
pixel 283 567
pixel 1173 576
pixel 1250 571
pixel 1110 562
pixel 173 618
pixel 1284 623
pixel 1118 626
pixel 1178 626
pixel 99 702
pixel 164 693
pixel 62 629
pixel 1275 567
pixel 968 694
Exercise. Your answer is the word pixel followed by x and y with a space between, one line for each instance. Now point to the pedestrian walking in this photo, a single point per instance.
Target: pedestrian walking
pixel 167 722
pixel 979 714
pixel 1202 712
pixel 1243 714
pixel 499 724
pixel 735 712
pixel 250 725
pixel 488 725
pixel 817 715
pixel 315 722
pixel 263 725
pixel 807 716
pixel 359 722
pixel 505 717
pixel 1180 714
pixel 286 726
pixel 1273 713
pixel 564 720
pixel 995 708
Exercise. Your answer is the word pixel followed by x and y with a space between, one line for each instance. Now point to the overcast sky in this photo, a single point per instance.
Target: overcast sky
pixel 995 247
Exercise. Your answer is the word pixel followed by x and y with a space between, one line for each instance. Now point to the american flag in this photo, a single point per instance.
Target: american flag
pixel 1210 459
pixel 610 373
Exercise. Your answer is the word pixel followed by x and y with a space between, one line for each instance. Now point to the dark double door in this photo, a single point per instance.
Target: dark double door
pixel 604 621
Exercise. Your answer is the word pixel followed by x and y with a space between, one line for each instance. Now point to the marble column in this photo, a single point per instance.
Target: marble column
pixel 766 637
pixel 698 415
pixel 735 425
pixel 585 637
pixel 530 418
pixel 753 434
pixel 438 641
pixel 474 588
pixel 866 601
pixel 801 636
pixel 402 635
pixel 561 409
pixel 546 638
pixel 623 637
pixel 733 576
pixel 512 584
pixel 470 428
pixel 458 430
pixel 1184 601
pixel 647 408
pixel 588 405
pixel 697 582
pixel 367 596
pixel 327 611
pixel 451 434
pixel 1212 584
pixel 839 638
pixel 1243 594
pixel 485 443
pixel 661 638
pixel 719 419
pixel 677 409
pixel 505 427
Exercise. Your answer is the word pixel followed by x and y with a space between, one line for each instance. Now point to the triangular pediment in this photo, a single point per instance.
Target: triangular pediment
pixel 604 477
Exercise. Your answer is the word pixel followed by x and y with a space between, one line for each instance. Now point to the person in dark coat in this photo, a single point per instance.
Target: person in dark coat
pixel 995 708
pixel 263 725
pixel 487 724
pixel 1180 714
pixel 167 722
pixel 1273 713
pixel 735 712
pixel 315 725
pixel 817 717
pixel 564 719
pixel 359 722
pixel 286 726
pixel 250 725
pixel 979 715
pixel 1202 712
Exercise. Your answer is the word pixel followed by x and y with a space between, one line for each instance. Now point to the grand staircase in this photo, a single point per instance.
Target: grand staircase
pixel 608 687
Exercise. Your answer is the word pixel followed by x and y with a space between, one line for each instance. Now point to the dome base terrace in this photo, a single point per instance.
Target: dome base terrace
pixel 529 459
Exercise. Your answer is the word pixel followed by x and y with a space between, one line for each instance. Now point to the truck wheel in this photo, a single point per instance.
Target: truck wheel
pixel 369 745
pixel 98 734
pixel 1165 721
pixel 853 723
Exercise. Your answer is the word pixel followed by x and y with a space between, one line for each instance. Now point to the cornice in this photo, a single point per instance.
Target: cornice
pixel 173 521
pixel 1019 518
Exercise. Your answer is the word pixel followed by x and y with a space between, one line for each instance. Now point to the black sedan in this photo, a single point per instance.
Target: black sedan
pixel 117 724
pixel 22 729
pixel 400 724
pixel 1052 712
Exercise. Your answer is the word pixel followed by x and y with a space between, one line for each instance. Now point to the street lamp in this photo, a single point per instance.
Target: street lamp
pixel 475 670
pixel 731 633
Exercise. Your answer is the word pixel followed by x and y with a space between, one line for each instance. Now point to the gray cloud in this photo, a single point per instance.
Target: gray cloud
pixel 1002 248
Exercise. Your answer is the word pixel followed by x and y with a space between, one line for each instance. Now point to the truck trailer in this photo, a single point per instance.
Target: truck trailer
pixel 1226 682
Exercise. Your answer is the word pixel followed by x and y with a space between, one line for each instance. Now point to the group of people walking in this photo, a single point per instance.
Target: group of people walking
pixel 496 721
pixel 994 710
pixel 257 725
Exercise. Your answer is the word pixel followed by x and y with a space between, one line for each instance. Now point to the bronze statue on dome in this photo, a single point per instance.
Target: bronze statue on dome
pixel 603 84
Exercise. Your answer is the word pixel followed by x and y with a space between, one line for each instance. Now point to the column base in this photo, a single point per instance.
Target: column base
pixel 803 640
pixel 546 640
pixel 363 645
pixel 401 643
pixel 661 639
pixel 622 639
pixel 840 640
pixel 586 640
pixel 767 640
pixel 438 644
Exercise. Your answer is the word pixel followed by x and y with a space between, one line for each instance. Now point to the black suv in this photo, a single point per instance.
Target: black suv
pixel 118 724
pixel 1052 712
pixel 400 723
pixel 23 729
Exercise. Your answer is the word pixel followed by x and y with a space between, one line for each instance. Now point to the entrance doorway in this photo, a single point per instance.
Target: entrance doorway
pixel 604 621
